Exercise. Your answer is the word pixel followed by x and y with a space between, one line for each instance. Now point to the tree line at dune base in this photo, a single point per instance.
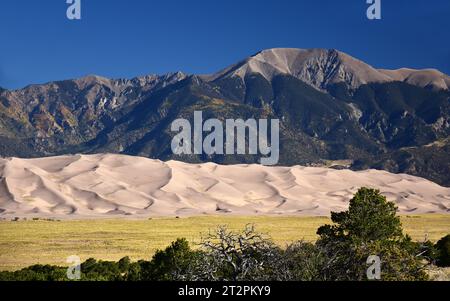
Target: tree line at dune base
pixel 370 228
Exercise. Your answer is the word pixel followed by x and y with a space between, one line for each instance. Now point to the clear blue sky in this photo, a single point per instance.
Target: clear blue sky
pixel 127 38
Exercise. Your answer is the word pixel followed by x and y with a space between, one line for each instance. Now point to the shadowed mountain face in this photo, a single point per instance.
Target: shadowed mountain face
pixel 334 110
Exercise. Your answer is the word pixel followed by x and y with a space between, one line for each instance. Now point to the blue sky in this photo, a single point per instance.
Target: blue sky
pixel 127 38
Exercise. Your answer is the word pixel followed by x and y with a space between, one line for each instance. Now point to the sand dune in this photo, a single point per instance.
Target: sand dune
pixel 104 185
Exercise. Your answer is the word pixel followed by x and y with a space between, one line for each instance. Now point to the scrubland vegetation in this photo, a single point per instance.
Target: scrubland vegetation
pixel 370 227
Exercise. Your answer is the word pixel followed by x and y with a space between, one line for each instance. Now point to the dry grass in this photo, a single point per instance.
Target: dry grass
pixel 25 243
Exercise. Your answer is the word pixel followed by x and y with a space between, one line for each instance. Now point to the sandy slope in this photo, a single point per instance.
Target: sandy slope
pixel 121 186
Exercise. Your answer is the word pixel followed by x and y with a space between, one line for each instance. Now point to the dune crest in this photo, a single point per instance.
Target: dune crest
pixel 106 186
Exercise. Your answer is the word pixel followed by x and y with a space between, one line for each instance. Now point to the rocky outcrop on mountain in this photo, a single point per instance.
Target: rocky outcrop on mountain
pixel 322 68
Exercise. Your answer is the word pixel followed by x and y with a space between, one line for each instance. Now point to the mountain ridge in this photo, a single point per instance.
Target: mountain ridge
pixel 274 57
pixel 322 67
pixel 384 125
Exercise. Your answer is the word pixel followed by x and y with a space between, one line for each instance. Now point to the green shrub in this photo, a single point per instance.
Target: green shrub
pixel 173 263
pixel 443 250
pixel 302 261
pixel 36 273
pixel 369 227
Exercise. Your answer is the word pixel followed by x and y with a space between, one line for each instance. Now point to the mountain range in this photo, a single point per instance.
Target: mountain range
pixel 335 111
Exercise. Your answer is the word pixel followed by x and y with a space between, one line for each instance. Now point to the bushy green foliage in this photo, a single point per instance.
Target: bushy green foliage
pixel 443 251
pixel 36 273
pixel 173 263
pixel 93 270
pixel 370 227
pixel 370 217
pixel 302 261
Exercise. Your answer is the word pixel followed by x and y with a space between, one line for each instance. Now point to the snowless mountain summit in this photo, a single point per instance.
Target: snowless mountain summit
pixel 324 67
pixel 423 78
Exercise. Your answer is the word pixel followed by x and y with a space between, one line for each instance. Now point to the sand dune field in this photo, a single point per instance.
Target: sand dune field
pixel 111 186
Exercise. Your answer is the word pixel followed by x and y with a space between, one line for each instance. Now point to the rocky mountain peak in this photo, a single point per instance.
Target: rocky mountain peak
pixel 317 67
pixel 324 67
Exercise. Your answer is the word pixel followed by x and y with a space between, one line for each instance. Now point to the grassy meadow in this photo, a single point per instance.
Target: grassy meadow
pixel 24 243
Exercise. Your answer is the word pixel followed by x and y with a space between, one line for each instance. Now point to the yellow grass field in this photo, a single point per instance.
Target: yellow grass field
pixel 25 243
